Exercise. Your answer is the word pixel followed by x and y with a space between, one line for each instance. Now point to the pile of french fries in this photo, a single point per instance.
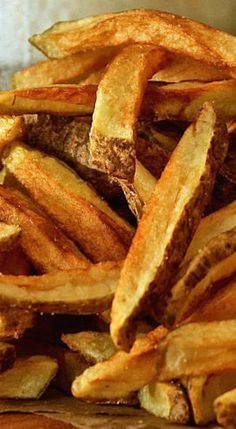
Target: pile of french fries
pixel 118 211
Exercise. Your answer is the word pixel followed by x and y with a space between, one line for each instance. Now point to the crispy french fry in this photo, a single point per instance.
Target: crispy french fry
pixel 11 128
pixel 112 135
pixel 121 374
pixel 14 262
pixel 178 34
pixel 43 243
pixel 202 392
pixel 14 322
pixel 197 349
pixel 225 409
pixel 7 356
pixel 186 182
pixel 81 291
pixel 213 264
pixel 28 378
pixel 93 78
pixel 9 235
pixel 93 346
pixel 71 202
pixel 166 400
pixel 152 156
pixel 63 70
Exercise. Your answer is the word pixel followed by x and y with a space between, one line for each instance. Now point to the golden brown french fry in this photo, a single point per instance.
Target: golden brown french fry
pixel 93 346
pixel 14 262
pixel 71 202
pixel 225 409
pixel 121 374
pixel 214 263
pixel 9 235
pixel 63 70
pixel 202 392
pixel 93 78
pixel 112 135
pixel 197 349
pixel 186 182
pixel 14 322
pixel 44 244
pixel 11 128
pixel 175 33
pixel 7 356
pixel 81 291
pixel 28 378
pixel 165 400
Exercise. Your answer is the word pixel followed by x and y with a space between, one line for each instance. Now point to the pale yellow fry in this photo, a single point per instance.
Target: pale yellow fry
pixel 177 34
pixel 112 135
pixel 62 70
pixel 9 234
pixel 11 128
pixel 81 291
pixel 167 226
pixel 121 374
pixel 225 409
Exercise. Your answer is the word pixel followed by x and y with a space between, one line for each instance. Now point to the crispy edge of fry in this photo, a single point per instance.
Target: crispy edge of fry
pixel 9 235
pixel 112 134
pixel 143 265
pixel 28 378
pixel 81 291
pixel 165 400
pixel 71 202
pixel 225 409
pixel 116 377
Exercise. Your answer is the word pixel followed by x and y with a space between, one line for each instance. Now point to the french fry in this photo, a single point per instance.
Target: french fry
pixel 71 202
pixel 43 243
pixel 177 34
pixel 225 409
pixel 202 392
pixel 63 70
pixel 213 264
pixel 152 156
pixel 93 346
pixel 9 235
pixel 112 135
pixel 28 378
pixel 186 182
pixel 81 291
pixel 165 400
pixel 116 377
pixel 197 349
pixel 14 322
pixel 7 356
pixel 11 128
pixel 14 262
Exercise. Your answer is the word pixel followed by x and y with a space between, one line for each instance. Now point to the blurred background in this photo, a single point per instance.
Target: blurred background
pixel 21 18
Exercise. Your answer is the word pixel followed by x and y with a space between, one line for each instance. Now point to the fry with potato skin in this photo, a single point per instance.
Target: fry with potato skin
pixel 112 135
pixel 169 221
pixel 225 409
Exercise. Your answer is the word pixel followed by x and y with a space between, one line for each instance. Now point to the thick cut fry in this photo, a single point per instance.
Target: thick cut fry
pixel 225 409
pixel 28 378
pixel 182 101
pixel 180 69
pixel 81 291
pixel 197 349
pixel 71 202
pixel 175 33
pixel 121 374
pixel 213 263
pixel 11 128
pixel 9 235
pixel 202 391
pixel 14 262
pixel 170 219
pixel 112 135
pixel 44 243
pixel 14 322
pixel 63 70
pixel 7 356
pixel 166 400
pixel 94 346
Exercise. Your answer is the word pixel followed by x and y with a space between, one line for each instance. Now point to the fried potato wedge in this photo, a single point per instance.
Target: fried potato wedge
pixel 213 263
pixel 14 322
pixel 202 392
pixel 170 219
pixel 41 240
pixel 14 262
pixel 71 202
pixel 63 70
pixel 182 101
pixel 81 291
pixel 11 128
pixel 225 409
pixel 93 346
pixel 197 349
pixel 165 400
pixel 121 374
pixel 9 235
pixel 112 135
pixel 175 33
pixel 28 378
